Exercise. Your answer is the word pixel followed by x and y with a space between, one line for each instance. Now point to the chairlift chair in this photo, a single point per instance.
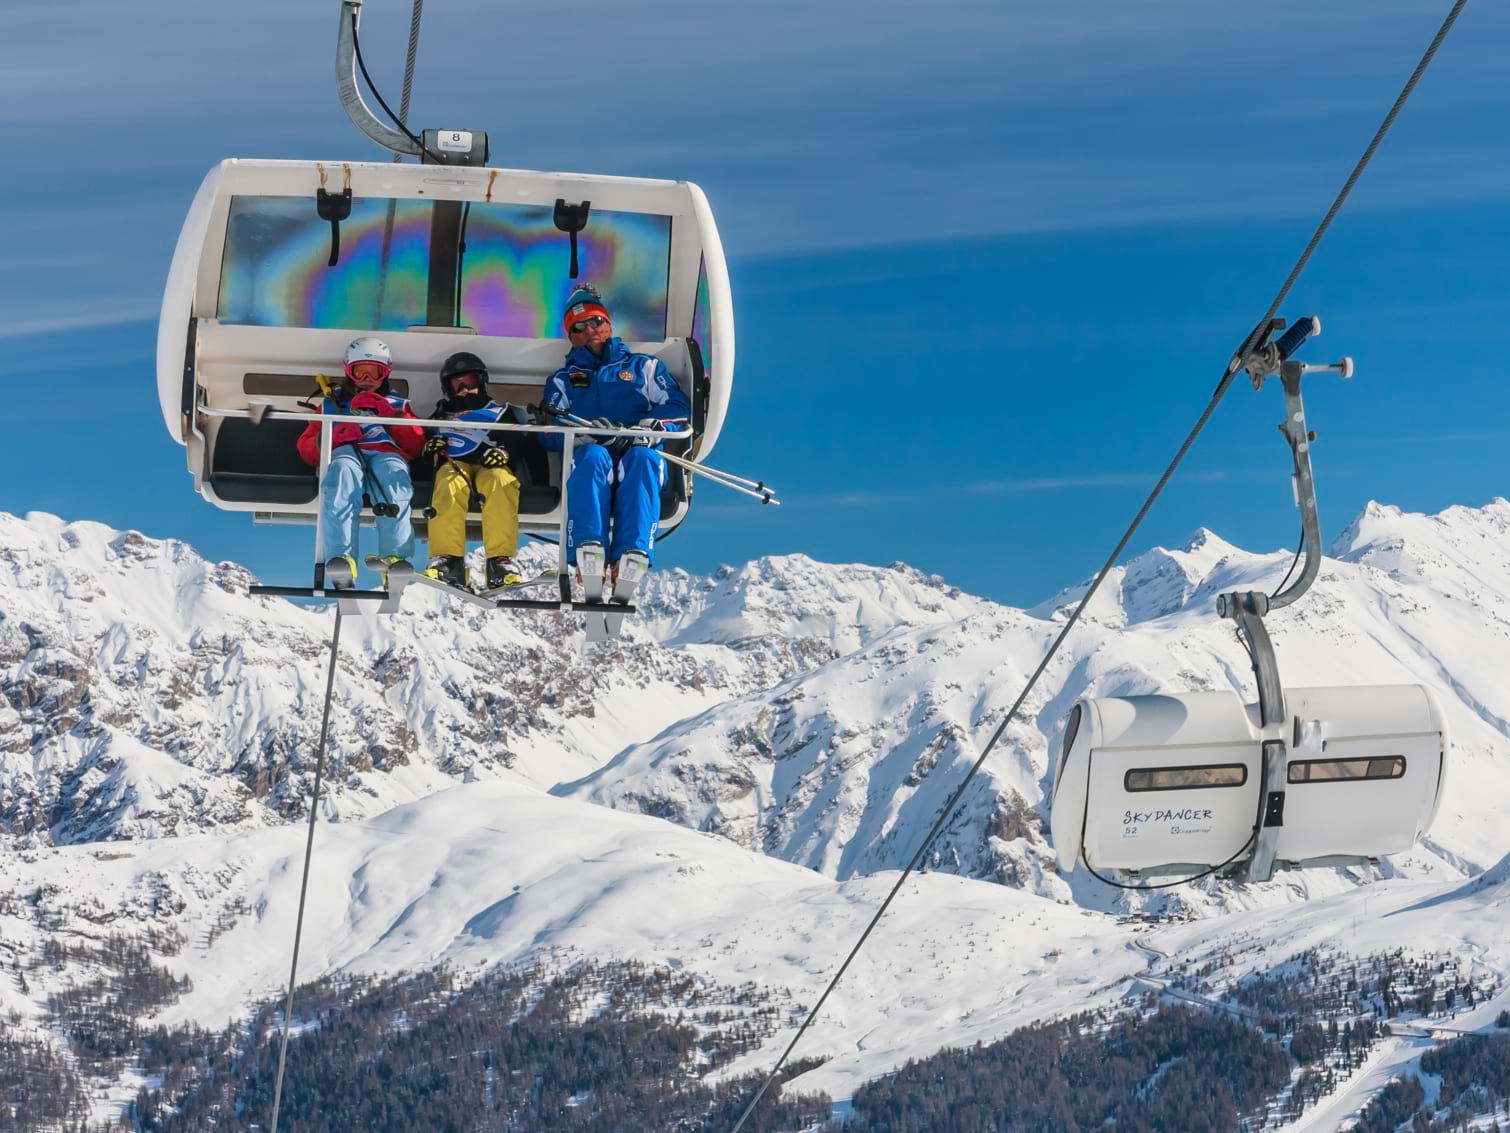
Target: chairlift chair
pixel 280 264
pixel 265 291
pixel 1174 784
pixel 1195 783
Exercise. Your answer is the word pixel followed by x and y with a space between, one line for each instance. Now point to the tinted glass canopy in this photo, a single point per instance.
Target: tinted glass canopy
pixel 511 266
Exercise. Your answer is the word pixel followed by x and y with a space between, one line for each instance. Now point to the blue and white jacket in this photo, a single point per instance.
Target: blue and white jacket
pixel 623 386
pixel 470 444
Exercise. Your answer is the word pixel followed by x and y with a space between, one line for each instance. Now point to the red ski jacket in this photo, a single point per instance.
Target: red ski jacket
pixel 406 440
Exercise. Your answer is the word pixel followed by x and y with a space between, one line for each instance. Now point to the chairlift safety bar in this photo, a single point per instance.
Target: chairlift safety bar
pixel 271 413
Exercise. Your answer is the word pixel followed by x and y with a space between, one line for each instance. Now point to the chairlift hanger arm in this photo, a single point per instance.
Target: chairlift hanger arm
pixel 1272 358
pixel 1262 359
pixel 352 101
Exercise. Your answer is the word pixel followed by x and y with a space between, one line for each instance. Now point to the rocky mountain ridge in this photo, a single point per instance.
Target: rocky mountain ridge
pixel 814 712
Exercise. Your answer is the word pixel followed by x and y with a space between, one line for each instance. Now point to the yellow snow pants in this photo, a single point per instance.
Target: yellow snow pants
pixel 499 489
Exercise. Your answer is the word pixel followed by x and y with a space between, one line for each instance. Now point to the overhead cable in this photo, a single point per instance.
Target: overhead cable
pixel 356 43
pixel 415 15
pixel 1234 367
pixel 309 845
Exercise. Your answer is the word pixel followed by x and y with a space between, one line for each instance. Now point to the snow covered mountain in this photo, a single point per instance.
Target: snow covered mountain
pixel 499 872
pixel 145 692
pixel 828 768
pixel 787 709
pixel 795 707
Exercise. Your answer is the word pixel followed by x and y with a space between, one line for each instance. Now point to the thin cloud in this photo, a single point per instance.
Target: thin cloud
pixel 76 320
pixel 1423 439
pixel 1103 480
pixel 1023 485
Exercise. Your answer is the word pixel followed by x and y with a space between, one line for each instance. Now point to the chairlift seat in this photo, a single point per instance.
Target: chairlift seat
pixel 259 464
pixel 1172 784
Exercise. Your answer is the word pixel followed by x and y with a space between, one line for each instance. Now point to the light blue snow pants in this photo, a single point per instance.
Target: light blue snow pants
pixel 385 475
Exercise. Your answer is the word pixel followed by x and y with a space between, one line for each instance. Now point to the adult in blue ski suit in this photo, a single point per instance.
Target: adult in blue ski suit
pixel 617 486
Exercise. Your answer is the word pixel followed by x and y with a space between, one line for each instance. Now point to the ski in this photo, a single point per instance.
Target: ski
pixel 590 565
pixel 544 579
pixel 632 568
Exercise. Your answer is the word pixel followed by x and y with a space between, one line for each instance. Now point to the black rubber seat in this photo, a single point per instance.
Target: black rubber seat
pixel 260 463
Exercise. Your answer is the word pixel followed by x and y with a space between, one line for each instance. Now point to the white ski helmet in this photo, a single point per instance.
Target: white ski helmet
pixel 368 348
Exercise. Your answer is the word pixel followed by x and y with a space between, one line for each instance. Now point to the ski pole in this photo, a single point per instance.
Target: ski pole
pixel 758 489
pixel 384 506
pixel 757 485
pixel 764 494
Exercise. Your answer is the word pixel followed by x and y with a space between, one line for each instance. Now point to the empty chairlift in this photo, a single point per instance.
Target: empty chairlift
pixel 1155 785
pixel 1195 783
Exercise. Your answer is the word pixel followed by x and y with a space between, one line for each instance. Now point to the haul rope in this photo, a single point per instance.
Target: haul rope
pixel 1234 367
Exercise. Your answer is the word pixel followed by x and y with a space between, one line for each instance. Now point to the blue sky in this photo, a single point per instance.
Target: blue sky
pixel 988 258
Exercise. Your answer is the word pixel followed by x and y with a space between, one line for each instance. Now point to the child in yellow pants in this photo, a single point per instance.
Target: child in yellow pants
pixel 473 460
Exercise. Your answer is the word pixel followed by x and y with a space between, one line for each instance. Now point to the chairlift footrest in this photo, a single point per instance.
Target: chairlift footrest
pixel 319 592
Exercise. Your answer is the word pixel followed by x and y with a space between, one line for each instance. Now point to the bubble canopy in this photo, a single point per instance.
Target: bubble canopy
pixel 426 255
pixel 275 269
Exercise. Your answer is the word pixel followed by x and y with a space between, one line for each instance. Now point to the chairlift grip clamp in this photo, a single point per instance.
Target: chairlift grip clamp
pixel 1272 356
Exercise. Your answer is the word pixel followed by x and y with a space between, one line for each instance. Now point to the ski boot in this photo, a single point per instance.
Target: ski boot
pixel 627 573
pixel 590 570
pixel 389 564
pixel 503 572
pixel 450 569
pixel 341 572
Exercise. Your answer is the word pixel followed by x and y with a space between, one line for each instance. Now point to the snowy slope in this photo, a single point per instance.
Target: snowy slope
pixel 827 769
pixel 497 872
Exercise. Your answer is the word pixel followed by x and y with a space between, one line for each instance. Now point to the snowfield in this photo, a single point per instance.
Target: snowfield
pixel 498 872
pixel 729 790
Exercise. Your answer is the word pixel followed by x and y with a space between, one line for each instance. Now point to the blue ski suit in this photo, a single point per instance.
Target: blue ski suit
pixel 626 388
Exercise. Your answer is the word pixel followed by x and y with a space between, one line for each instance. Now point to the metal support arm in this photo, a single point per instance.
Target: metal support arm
pixel 1248 608
pixel 1299 437
pixel 351 95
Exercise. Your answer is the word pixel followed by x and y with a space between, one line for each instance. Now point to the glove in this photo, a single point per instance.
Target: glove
pixel 495 457
pixel 436 447
pixel 369 402
pixel 612 444
pixel 649 423
pixel 345 434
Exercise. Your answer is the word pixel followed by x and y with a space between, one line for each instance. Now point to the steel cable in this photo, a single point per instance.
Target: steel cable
pixel 356 43
pixel 1294 562
pixel 403 101
pixel 403 112
pixel 1234 367
pixel 309 846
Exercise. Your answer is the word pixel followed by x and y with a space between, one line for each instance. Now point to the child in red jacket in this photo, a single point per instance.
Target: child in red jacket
pixel 365 458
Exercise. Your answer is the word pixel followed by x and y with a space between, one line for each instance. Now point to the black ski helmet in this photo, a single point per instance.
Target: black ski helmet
pixel 462 362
